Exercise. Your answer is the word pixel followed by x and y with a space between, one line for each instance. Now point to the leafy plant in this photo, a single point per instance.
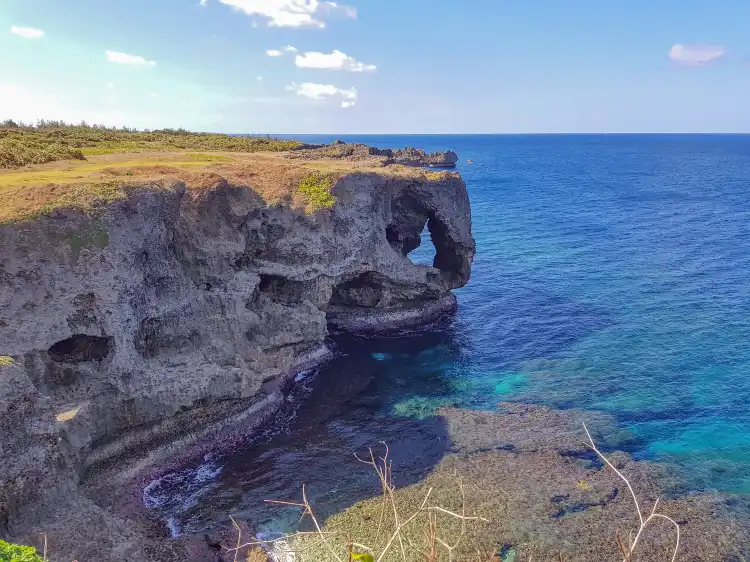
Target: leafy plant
pixel 10 552
pixel 317 188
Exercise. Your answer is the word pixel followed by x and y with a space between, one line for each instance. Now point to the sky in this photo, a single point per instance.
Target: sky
pixel 380 66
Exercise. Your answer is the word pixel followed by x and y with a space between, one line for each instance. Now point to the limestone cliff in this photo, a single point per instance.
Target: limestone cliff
pixel 171 308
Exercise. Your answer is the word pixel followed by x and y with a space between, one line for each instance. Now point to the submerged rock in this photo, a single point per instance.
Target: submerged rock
pixel 527 472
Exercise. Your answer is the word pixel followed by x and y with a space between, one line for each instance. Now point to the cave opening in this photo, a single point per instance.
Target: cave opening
pixel 80 348
pixel 281 289
pixel 364 290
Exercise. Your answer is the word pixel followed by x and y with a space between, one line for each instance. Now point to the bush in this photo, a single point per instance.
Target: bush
pixel 16 553
pixel 52 140
pixel 17 150
pixel 317 188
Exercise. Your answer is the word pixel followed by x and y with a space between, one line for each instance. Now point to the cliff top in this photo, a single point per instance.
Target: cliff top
pixel 55 166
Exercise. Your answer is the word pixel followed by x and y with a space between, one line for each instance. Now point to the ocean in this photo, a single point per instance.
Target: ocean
pixel 611 274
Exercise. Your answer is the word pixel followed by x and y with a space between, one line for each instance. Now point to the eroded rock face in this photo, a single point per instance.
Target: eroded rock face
pixel 176 304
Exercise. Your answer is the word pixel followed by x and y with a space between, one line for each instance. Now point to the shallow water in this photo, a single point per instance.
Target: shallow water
pixel 611 274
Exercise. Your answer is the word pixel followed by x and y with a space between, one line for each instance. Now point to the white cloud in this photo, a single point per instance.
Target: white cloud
pixel 259 78
pixel 325 91
pixel 292 13
pixel 110 85
pixel 333 61
pixel 280 52
pixel 204 2
pixel 696 55
pixel 27 32
pixel 123 58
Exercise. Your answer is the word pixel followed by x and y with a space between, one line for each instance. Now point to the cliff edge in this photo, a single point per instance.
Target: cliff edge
pixel 172 300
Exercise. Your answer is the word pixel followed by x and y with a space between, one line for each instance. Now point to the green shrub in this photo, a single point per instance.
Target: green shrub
pixel 52 140
pixel 317 188
pixel 16 553
pixel 17 150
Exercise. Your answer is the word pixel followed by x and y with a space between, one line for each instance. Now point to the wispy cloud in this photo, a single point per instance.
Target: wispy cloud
pixel 696 55
pixel 27 32
pixel 293 13
pixel 280 52
pixel 332 61
pixel 204 2
pixel 325 91
pixel 124 58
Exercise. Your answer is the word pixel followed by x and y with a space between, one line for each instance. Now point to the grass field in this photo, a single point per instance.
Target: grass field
pixel 52 141
pixel 55 166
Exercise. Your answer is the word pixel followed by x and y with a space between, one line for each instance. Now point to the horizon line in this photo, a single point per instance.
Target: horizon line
pixel 497 134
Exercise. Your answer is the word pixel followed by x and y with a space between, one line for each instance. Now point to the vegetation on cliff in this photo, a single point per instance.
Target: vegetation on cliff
pixel 317 188
pixel 16 553
pixel 54 166
pixel 50 141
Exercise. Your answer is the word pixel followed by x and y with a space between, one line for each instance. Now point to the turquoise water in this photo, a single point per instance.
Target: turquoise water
pixel 611 274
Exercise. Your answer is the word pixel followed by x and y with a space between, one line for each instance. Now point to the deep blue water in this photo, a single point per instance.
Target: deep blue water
pixel 611 274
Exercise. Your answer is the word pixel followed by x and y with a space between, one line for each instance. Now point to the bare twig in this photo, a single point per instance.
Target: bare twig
pixel 644 521
pixel 44 551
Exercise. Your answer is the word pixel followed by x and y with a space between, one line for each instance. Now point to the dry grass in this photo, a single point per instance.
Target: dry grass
pixel 27 202
pixel 88 185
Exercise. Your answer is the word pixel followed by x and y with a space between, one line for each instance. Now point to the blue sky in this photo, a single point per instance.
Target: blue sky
pixel 380 66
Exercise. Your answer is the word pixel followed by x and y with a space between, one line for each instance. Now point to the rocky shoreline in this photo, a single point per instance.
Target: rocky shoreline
pixel 549 495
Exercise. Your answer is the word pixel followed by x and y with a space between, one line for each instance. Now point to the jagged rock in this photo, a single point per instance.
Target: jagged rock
pixel 339 150
pixel 168 311
pixel 418 157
